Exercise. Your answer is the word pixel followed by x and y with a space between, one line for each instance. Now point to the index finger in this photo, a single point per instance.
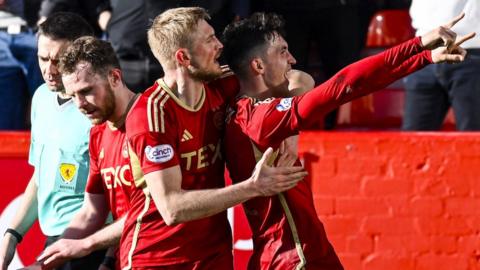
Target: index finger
pixel 289 170
pixel 464 38
pixel 45 254
pixel 454 21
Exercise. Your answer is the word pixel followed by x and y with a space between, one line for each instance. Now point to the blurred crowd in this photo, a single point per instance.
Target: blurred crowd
pixel 324 36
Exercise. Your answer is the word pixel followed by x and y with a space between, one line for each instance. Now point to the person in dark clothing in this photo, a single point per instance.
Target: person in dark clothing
pixel 88 9
pixel 310 22
pixel 127 31
pixel 19 72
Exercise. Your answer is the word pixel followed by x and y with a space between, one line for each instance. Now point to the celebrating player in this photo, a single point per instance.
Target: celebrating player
pixel 287 233
pixel 177 218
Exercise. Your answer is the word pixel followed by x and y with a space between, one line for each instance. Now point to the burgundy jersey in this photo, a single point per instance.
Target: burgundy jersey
pixel 110 172
pixel 164 132
pixel 287 233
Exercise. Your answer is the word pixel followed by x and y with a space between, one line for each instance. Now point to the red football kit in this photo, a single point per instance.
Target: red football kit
pixel 287 233
pixel 110 172
pixel 164 132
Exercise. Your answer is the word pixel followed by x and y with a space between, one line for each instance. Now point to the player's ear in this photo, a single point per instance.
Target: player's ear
pixel 115 77
pixel 257 65
pixel 182 57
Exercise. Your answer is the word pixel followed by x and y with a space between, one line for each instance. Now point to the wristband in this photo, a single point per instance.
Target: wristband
pixel 15 234
pixel 109 262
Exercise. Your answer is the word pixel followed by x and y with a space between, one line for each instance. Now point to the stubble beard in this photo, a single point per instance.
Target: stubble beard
pixel 108 108
pixel 202 74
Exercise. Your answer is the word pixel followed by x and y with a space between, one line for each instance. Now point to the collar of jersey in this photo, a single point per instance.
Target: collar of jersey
pixel 169 91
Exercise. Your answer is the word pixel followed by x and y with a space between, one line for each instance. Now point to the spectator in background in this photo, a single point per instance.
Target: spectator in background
pixel 19 71
pixel 58 149
pixel 88 9
pixel 126 23
pixel 334 26
pixel 433 90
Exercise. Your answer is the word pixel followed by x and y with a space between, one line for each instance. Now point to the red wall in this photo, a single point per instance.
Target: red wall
pixel 15 173
pixel 388 200
pixel 398 200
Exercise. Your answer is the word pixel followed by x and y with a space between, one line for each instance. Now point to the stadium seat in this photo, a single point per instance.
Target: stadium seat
pixel 388 28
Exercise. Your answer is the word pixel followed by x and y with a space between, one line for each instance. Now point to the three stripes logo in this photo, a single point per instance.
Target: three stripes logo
pixel 186 136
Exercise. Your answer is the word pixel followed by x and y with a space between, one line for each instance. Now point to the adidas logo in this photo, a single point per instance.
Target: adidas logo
pixel 186 136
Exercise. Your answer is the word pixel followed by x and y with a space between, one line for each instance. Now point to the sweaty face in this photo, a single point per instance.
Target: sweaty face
pixel 205 52
pixel 49 51
pixel 278 61
pixel 91 93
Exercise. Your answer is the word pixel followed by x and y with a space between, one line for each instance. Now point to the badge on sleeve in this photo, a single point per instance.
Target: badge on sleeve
pixel 284 104
pixel 159 153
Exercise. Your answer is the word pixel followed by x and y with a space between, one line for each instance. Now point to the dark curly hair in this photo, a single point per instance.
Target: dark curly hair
pixel 245 38
pixel 97 52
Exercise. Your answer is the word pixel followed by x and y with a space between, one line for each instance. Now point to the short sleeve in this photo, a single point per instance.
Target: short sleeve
pixel 94 182
pixel 35 149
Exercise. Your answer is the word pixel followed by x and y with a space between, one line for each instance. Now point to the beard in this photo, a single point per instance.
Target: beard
pixel 203 75
pixel 108 107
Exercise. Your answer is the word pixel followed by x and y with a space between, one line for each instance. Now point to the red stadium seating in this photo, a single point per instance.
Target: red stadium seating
pixel 383 109
pixel 388 28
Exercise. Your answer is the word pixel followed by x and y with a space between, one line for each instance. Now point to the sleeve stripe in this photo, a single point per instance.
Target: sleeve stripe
pixel 152 113
pixel 162 113
pixel 155 110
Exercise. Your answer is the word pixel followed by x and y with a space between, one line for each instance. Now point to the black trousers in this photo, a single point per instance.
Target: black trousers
pixel 430 92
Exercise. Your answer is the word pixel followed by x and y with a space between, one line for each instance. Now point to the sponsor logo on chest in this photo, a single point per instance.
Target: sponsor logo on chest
pixel 115 176
pixel 202 157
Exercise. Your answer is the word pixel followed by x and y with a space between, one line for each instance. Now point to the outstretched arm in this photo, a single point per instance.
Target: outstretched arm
pixel 271 123
pixel 379 71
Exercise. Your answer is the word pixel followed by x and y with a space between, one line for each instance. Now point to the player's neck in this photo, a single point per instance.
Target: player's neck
pixel 255 89
pixel 184 87
pixel 124 99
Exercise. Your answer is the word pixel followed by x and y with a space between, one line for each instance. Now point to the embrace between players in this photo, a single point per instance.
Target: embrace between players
pixel 157 159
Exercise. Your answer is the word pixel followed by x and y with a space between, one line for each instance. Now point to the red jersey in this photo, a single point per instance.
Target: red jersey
pixel 110 172
pixel 164 132
pixel 287 233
